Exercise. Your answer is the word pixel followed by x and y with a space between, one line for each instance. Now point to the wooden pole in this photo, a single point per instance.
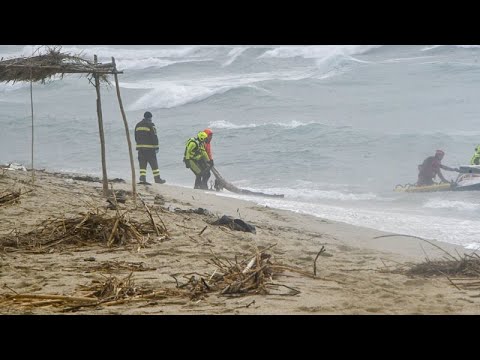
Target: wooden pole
pixel 31 106
pixel 132 165
pixel 100 130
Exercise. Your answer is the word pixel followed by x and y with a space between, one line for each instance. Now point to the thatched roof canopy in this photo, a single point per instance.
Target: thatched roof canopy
pixel 53 62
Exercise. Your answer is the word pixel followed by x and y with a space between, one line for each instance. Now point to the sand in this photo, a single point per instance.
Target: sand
pixel 357 274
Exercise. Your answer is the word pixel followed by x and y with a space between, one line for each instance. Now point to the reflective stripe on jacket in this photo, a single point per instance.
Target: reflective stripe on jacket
pixel 195 150
pixel 146 135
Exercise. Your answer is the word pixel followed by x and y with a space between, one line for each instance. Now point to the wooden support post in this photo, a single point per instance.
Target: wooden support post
pixel 132 165
pixel 100 129
pixel 31 106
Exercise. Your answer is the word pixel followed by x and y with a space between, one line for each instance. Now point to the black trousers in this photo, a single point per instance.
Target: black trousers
pixel 148 156
pixel 205 177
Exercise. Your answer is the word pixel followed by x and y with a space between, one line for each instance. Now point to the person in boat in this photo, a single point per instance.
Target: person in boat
pixel 431 167
pixel 476 157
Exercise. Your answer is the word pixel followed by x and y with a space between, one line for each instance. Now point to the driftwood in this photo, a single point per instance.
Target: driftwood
pixel 419 238
pixel 127 133
pixel 112 291
pixel 52 62
pixel 466 269
pixel 467 266
pixel 97 225
pixel 12 197
pixel 225 184
pixel 155 226
pixel 253 275
pixel 315 261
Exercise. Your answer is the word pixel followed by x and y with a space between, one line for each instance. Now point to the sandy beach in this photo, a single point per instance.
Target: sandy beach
pixel 358 273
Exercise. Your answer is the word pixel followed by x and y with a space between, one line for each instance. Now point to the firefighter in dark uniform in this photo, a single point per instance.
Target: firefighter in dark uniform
pixel 147 146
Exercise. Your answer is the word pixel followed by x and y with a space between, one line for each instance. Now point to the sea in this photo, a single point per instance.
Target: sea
pixel 332 127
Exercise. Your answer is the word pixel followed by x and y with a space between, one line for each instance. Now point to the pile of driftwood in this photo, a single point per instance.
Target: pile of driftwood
pixel 468 265
pixel 112 291
pixel 253 275
pixel 11 197
pixel 100 225
pixel 462 272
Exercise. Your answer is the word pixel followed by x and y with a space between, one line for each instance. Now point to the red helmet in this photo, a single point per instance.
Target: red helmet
pixel 208 132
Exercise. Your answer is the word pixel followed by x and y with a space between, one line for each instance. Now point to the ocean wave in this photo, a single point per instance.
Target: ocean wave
pixel 428 227
pixel 168 94
pixel 309 194
pixel 459 46
pixel 222 124
pixel 141 64
pixel 402 59
pixel 234 54
pixel 136 53
pixel 317 51
pixel 316 194
pixel 173 95
pixel 450 204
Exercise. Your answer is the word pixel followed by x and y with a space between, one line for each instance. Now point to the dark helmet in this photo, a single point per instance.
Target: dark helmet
pixel 147 115
pixel 439 154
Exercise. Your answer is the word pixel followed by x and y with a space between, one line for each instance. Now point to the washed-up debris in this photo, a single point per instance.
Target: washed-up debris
pixel 159 200
pixel 199 211
pixel 235 224
pixel 112 291
pixel 96 179
pixel 468 265
pixel 12 197
pixel 253 275
pixel 463 272
pixel 93 226
pixel 15 167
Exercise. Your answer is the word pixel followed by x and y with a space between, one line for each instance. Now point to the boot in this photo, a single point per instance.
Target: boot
pixel 198 182
pixel 159 180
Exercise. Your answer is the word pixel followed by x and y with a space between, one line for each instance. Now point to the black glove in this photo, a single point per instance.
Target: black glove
pixel 211 163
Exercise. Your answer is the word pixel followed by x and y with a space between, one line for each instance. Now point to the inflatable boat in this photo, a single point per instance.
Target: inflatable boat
pixel 467 180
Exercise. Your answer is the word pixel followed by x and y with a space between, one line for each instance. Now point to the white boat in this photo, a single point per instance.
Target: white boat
pixel 468 179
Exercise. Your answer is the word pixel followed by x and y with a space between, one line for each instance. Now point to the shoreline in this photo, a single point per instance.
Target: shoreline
pixel 357 272
pixel 228 195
